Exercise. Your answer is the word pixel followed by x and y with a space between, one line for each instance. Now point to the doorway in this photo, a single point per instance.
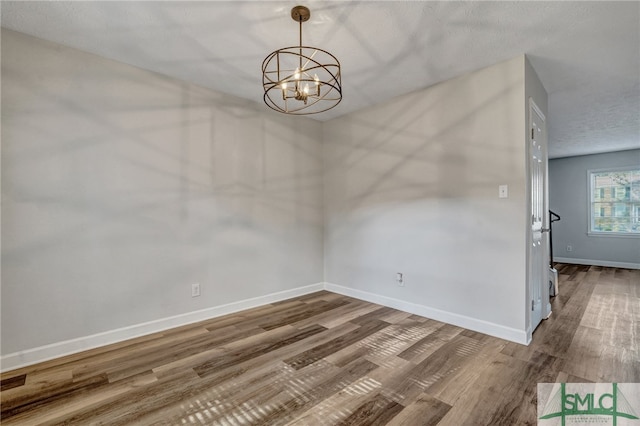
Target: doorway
pixel 539 218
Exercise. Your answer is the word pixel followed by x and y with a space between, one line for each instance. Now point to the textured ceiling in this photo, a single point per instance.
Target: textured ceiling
pixel 587 54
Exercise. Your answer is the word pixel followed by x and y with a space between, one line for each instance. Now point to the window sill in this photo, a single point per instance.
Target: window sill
pixel 613 234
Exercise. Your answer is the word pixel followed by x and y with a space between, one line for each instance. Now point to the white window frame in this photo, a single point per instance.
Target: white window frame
pixel 591 199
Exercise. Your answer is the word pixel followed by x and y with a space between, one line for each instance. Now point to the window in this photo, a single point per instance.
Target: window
pixel 614 202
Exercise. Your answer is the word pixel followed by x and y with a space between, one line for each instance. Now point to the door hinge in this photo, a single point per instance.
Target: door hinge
pixel 532 133
pixel 532 304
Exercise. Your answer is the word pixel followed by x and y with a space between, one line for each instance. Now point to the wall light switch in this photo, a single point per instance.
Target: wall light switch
pixel 503 191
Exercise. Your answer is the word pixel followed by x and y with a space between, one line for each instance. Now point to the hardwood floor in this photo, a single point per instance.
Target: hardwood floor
pixel 327 359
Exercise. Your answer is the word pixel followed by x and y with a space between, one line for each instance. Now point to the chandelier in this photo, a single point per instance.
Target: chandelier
pixel 301 80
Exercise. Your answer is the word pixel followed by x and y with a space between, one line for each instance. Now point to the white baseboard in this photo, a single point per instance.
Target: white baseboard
pixel 492 329
pixel 68 347
pixel 55 350
pixel 529 335
pixel 608 263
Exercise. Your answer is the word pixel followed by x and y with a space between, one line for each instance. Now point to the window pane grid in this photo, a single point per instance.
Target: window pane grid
pixel 615 202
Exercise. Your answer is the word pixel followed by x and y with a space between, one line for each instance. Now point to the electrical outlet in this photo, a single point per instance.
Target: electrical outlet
pixel 569 247
pixel 400 279
pixel 195 290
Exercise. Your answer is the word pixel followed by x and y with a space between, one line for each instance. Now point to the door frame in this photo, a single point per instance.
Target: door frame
pixel 545 307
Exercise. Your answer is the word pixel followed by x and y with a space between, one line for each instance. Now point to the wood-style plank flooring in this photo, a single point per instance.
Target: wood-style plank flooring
pixel 327 359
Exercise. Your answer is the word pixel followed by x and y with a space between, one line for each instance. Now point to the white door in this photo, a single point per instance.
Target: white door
pixel 538 250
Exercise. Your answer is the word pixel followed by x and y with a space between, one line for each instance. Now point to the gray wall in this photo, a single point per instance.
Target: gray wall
pixel 568 193
pixel 411 186
pixel 121 188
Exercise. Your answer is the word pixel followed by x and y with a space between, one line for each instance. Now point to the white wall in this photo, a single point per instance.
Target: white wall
pixel 411 186
pixel 569 197
pixel 121 188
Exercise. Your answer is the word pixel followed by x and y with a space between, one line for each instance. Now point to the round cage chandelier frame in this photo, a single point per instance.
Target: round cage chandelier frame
pixel 301 80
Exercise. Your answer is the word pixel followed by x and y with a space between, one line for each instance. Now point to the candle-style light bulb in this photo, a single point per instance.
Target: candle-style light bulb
pixel 284 90
pixel 316 80
pixel 306 89
pixel 296 75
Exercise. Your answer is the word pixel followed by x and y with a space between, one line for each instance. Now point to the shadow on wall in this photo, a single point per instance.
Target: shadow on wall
pixel 121 188
pixel 412 187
